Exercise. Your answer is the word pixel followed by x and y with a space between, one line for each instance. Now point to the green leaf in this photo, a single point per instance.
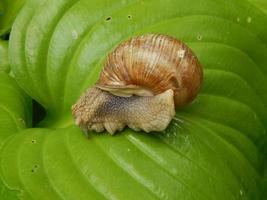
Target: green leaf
pixel 8 12
pixel 214 148
pixel 15 107
pixel 4 65
pixel 15 115
pixel 261 4
pixel 7 194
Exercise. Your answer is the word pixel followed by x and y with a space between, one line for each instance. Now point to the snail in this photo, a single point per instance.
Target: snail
pixel 143 81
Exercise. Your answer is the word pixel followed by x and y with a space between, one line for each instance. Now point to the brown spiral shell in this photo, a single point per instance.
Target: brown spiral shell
pixel 142 82
pixel 150 64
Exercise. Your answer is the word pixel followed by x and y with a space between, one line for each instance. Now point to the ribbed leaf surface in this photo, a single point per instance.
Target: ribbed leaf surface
pixel 213 149
pixel 15 115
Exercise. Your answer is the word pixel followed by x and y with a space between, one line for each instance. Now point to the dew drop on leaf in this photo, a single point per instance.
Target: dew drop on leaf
pixel 249 19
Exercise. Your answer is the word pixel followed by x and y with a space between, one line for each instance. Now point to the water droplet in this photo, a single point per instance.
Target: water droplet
pixel 249 19
pixel 238 19
pixel 199 37
pixel 74 35
pixel 181 53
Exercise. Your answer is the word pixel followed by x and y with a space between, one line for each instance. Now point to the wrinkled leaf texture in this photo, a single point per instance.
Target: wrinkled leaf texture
pixel 213 149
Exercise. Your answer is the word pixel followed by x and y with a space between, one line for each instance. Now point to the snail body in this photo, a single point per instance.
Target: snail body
pixel 107 111
pixel 143 80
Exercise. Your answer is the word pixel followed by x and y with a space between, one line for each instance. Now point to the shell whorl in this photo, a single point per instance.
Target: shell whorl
pixel 151 64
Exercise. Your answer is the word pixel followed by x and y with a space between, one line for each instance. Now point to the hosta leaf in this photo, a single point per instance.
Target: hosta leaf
pixel 15 115
pixel 213 149
pixel 71 167
pixel 4 66
pixel 7 194
pixel 15 107
pixel 261 4
pixel 8 13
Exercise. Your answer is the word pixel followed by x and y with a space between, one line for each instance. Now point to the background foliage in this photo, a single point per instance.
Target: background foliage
pixel 215 148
